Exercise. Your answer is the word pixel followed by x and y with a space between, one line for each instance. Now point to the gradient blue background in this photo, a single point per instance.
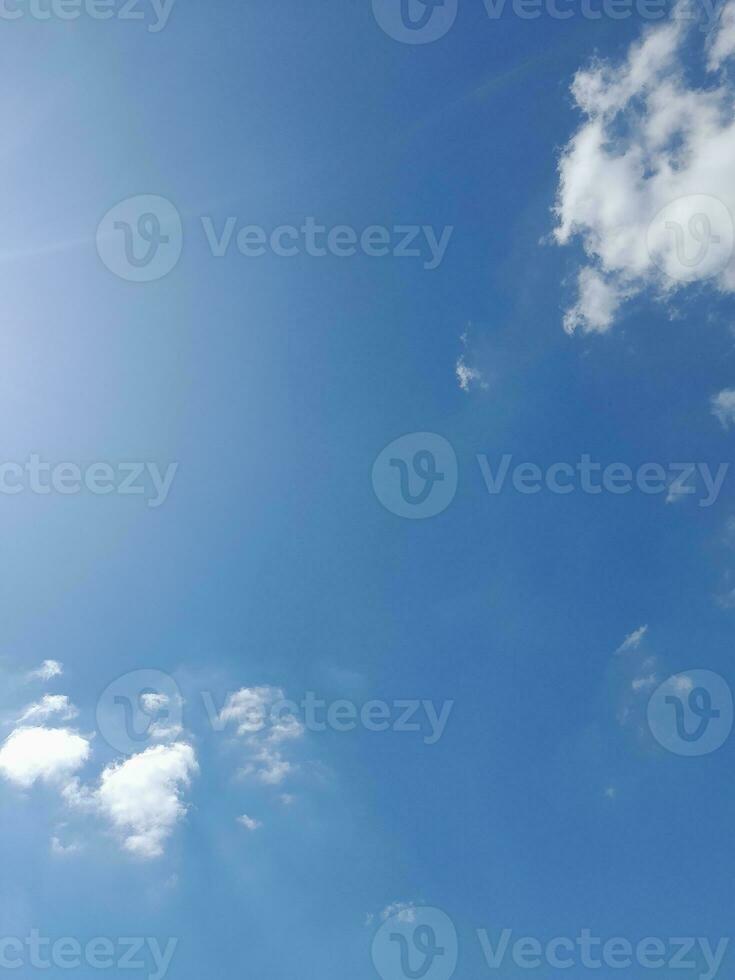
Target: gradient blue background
pixel 275 383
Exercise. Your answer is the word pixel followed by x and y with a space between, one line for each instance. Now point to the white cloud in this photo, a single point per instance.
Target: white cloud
pixel 154 701
pixel 683 684
pixel 249 823
pixel 633 640
pixel 249 707
pixel 645 683
pixel 265 720
pixel 468 376
pixel 142 796
pixel 404 911
pixel 723 407
pixel 723 46
pixel 52 755
pixel 596 306
pixel 47 707
pixel 47 670
pixel 646 182
pixel 64 850
pixel 268 764
pixel 677 494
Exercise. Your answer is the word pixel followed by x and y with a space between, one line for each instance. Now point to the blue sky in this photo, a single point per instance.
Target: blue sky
pixel 273 384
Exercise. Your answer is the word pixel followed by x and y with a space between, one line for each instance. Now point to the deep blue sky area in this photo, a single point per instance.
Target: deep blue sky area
pixel 547 806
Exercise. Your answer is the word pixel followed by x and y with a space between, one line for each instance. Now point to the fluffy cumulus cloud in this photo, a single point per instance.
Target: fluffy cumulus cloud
pixel 51 755
pixel 646 182
pixel 264 719
pixel 142 797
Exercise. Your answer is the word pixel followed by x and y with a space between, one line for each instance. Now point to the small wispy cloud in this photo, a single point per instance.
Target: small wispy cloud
pixel 249 823
pixel 404 911
pixel 47 707
pixel 64 850
pixel 676 493
pixel 723 407
pixel 47 670
pixel 683 684
pixel 467 375
pixel 633 640
pixel 639 684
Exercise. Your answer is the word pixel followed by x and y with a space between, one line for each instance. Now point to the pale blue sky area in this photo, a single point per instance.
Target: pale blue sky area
pixel 271 566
